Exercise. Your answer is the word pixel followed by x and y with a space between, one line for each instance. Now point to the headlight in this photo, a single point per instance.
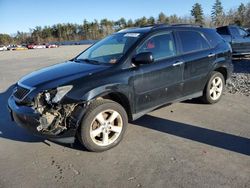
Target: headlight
pixel 57 94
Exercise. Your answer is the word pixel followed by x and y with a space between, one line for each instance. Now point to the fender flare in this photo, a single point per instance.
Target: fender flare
pixel 99 92
pixel 104 90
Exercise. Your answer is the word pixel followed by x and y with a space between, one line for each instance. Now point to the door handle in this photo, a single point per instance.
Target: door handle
pixel 178 63
pixel 211 55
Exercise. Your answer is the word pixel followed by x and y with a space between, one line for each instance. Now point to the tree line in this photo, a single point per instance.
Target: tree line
pixel 98 29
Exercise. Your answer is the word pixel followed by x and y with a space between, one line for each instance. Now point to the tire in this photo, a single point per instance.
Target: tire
pixel 214 88
pixel 97 126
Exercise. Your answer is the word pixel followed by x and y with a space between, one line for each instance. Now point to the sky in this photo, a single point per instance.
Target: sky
pixel 23 15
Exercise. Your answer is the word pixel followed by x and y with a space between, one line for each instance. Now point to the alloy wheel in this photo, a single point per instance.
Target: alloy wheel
pixel 216 88
pixel 106 127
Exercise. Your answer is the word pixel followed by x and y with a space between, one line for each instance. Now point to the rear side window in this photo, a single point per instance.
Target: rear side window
pixel 192 41
pixel 223 31
pixel 213 38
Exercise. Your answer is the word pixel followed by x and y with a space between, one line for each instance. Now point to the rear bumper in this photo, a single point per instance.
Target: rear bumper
pixel 28 118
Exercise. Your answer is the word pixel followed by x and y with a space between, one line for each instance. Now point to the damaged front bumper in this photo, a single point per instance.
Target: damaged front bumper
pixel 30 119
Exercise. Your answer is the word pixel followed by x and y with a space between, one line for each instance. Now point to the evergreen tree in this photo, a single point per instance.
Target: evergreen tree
pixel 247 16
pixel 241 15
pixel 151 20
pixel 162 18
pixel 141 21
pixel 197 13
pixel 130 23
pixel 217 13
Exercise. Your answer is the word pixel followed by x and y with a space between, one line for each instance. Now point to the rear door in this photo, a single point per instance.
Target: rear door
pixel 157 83
pixel 197 57
pixel 240 40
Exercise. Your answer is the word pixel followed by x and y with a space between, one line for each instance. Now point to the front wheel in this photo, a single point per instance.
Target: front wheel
pixel 214 88
pixel 103 125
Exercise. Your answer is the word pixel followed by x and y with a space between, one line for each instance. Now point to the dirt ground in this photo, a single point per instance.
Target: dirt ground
pixel 186 144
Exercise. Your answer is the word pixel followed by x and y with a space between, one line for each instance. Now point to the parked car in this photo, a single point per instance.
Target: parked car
pixel 51 46
pixel 20 47
pixel 11 47
pixel 16 47
pixel 30 46
pixel 3 48
pixel 36 46
pixel 121 78
pixel 238 37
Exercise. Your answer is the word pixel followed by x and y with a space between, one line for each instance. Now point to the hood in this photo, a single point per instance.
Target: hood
pixel 68 71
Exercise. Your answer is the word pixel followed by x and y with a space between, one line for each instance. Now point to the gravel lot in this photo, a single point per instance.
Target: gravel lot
pixel 240 80
pixel 187 144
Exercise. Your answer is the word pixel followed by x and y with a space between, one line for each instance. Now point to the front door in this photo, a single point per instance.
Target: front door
pixel 157 83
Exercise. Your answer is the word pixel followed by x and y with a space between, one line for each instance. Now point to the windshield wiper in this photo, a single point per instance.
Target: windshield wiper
pixel 88 61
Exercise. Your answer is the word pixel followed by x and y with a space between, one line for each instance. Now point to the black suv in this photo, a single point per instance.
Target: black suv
pixel 121 78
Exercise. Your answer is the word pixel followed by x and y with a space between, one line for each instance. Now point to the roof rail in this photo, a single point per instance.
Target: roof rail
pixel 186 25
pixel 154 25
pixel 171 25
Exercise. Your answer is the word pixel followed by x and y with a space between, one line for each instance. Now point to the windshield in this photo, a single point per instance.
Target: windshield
pixel 110 49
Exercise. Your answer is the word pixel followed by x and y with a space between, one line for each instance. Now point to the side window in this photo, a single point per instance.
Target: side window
pixel 223 31
pixel 160 45
pixel 235 32
pixel 243 33
pixel 213 37
pixel 192 41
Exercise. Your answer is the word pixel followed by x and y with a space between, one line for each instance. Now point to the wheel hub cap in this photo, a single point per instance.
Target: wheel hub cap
pixel 216 88
pixel 106 127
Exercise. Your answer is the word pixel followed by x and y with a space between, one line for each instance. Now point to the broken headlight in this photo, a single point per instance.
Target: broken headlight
pixel 56 95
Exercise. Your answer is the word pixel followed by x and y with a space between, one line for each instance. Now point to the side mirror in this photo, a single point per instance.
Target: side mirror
pixel 143 58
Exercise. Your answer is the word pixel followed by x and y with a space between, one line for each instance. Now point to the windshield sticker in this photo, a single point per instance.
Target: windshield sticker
pixel 132 35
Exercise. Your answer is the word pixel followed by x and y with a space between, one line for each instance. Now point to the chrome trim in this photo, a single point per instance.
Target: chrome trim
pixel 211 55
pixel 178 63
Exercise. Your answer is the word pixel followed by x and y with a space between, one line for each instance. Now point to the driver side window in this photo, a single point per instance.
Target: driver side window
pixel 161 46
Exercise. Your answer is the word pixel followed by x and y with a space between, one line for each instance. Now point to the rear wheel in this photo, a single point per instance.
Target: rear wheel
pixel 103 125
pixel 214 88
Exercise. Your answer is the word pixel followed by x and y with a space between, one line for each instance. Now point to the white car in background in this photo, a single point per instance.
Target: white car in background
pixel 40 46
pixel 3 48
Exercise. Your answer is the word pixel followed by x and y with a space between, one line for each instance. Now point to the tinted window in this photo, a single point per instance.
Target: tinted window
pixel 235 32
pixel 161 46
pixel 192 41
pixel 243 33
pixel 223 31
pixel 213 38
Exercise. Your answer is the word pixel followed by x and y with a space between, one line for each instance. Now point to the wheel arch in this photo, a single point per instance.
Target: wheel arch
pixel 119 94
pixel 218 68
pixel 223 71
pixel 121 99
